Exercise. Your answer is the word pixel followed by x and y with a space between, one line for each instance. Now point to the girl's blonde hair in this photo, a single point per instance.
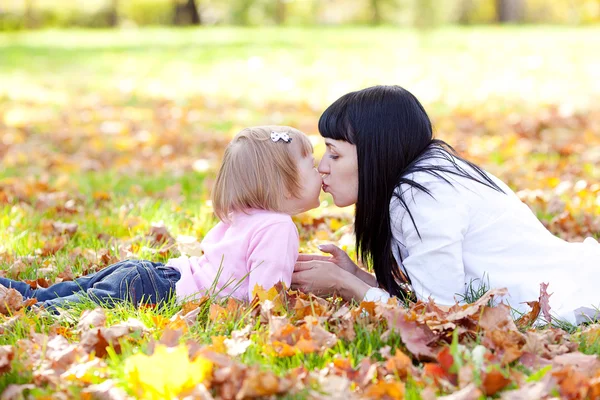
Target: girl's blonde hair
pixel 256 171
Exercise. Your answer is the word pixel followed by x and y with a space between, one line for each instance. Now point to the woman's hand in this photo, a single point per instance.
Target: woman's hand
pixel 338 257
pixel 324 278
pixel 341 259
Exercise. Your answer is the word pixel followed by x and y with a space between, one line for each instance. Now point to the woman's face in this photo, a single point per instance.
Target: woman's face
pixel 339 167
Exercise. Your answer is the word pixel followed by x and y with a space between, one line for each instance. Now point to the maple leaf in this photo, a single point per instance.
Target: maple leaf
pixel 166 373
pixel 273 295
pixel 527 320
pixel 416 337
pixel 399 364
pixel 497 317
pixel 493 382
pixel 385 390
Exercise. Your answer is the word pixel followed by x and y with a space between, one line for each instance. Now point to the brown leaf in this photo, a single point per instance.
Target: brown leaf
pixel 65 275
pixel 94 342
pixel 416 337
pixel 106 390
pixel 7 353
pixel 10 301
pixel 7 325
pixel 399 364
pixel 64 228
pixel 385 390
pixel 493 382
pixel 527 320
pixel 52 246
pixel 17 268
pixel 531 390
pixel 572 384
pixel 191 305
pixel 469 392
pixel 545 302
pixel 509 344
pixel 579 361
pixel 124 329
pixel 92 319
pixel 170 337
pixel 38 283
pixel 474 308
pixel 15 392
pixel 159 235
pixel 497 317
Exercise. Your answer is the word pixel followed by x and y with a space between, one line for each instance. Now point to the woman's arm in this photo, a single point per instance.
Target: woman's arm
pixel 435 251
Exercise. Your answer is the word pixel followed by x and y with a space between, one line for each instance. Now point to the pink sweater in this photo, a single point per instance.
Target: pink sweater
pixel 260 247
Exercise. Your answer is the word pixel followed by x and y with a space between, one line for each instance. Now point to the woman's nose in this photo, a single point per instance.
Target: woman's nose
pixel 323 167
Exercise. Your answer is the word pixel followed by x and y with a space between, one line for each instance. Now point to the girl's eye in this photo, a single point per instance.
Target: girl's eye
pixel 333 156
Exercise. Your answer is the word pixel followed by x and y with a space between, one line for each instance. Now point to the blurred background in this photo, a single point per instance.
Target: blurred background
pixel 119 109
pixel 19 14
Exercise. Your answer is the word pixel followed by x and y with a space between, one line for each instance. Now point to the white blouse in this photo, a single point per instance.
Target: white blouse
pixel 471 234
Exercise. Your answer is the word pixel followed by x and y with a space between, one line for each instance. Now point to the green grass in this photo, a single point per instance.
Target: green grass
pixel 532 65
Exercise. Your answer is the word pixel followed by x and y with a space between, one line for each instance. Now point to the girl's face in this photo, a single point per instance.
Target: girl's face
pixel 310 179
pixel 311 184
pixel 339 167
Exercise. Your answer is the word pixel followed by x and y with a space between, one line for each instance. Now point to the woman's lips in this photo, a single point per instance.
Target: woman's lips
pixel 325 187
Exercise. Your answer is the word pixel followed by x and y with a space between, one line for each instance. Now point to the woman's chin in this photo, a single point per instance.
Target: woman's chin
pixel 341 203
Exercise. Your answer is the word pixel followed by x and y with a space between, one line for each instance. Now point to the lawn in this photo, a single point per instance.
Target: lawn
pixel 109 141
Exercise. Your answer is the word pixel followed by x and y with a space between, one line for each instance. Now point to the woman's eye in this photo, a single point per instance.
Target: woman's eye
pixel 333 156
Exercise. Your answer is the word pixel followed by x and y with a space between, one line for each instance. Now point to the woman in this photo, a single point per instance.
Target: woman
pixel 427 217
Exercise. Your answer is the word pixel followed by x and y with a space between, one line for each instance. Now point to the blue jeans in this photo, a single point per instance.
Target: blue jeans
pixel 137 281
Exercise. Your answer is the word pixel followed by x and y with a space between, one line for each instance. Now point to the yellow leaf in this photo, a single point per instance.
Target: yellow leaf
pixel 335 224
pixel 218 344
pixel 272 295
pixel 322 234
pixel 166 373
pixel 263 294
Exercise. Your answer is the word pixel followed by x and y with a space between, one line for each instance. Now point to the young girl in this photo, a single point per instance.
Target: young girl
pixel 268 174
pixel 427 217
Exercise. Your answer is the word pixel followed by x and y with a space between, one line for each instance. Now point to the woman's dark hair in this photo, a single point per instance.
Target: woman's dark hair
pixel 392 134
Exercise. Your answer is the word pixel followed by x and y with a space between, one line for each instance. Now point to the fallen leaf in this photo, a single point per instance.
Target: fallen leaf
pixel 165 373
pixel 545 302
pixel 7 353
pixel 11 301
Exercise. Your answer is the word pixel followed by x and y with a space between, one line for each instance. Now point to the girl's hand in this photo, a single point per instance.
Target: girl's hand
pixel 338 257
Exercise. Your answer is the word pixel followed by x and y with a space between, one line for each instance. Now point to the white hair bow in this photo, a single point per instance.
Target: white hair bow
pixel 277 136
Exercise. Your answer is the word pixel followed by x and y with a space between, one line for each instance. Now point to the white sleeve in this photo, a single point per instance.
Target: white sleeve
pixel 376 294
pixel 435 259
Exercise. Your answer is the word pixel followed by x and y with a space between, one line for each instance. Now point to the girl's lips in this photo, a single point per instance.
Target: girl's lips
pixel 325 188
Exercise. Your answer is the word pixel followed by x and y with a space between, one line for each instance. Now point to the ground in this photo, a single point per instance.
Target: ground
pixel 109 144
